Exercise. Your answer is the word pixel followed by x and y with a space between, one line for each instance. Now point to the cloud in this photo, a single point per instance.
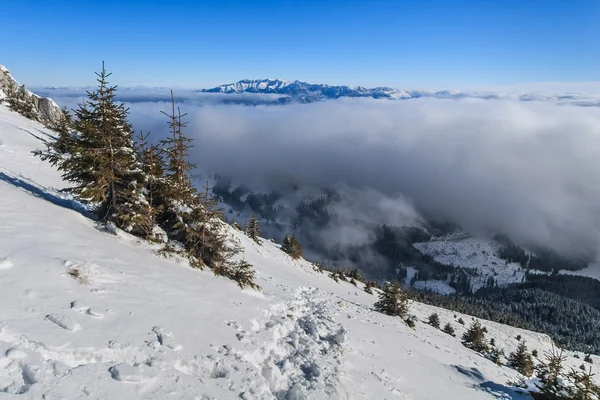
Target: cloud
pixel 529 170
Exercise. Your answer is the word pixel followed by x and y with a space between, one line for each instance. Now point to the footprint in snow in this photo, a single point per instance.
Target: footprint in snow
pixel 86 310
pixel 64 322
pixel 163 339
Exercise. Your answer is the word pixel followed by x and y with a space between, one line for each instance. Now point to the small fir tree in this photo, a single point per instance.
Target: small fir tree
pixel 496 355
pixel 521 360
pixel 434 320
pixel 550 374
pixel 393 300
pixel 449 329
pixel 474 337
pixel 253 229
pixel 355 274
pixel 243 274
pixel 583 385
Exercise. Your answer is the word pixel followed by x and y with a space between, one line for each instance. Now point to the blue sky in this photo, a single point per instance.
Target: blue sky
pixel 402 43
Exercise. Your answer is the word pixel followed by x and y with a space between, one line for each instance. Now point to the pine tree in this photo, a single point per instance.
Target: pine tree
pixel 355 274
pixel 253 229
pixel 369 285
pixel 190 218
pixel 295 249
pixel 338 274
pixel 583 385
pixel 393 301
pixel 474 338
pixel 60 148
pixel 521 360
pixel 434 320
pixel 496 355
pixel 285 244
pixel 243 274
pixel 550 374
pixel 102 162
pixel 449 329
pixel 152 163
pixel 63 125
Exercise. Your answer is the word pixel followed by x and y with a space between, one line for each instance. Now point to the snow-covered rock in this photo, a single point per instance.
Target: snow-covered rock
pixel 45 106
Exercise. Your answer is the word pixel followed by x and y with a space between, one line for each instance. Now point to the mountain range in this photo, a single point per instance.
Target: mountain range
pixel 307 92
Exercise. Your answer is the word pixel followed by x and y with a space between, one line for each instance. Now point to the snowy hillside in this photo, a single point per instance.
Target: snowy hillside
pixel 86 313
pixel 466 251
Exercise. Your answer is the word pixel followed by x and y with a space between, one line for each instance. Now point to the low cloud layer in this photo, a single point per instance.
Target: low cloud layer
pixel 527 169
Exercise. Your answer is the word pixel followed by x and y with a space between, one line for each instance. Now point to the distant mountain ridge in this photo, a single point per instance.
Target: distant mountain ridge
pixel 307 92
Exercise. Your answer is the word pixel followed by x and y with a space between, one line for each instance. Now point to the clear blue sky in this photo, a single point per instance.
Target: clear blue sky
pixel 402 43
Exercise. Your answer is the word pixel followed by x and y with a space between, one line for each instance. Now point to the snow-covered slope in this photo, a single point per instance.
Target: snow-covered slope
pixel 85 313
pixel 479 254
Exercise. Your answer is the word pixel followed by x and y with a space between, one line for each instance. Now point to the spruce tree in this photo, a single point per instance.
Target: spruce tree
pixel 449 329
pixel 583 385
pixel 188 217
pixel 521 360
pixel 355 274
pixel 369 286
pixel 295 249
pixel 434 320
pixel 550 374
pixel 102 163
pixel 253 229
pixel 474 337
pixel 392 300
pixel 152 163
pixel 60 148
pixel 243 274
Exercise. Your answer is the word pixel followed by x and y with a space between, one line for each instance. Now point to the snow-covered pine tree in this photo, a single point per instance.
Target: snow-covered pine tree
pixel 253 228
pixel 355 274
pixel 181 213
pixel 243 274
pixel 550 374
pixel 583 385
pixel 392 300
pixel 102 162
pixel 191 218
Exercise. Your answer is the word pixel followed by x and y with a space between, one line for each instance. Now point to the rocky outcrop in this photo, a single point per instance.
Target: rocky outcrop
pixel 45 108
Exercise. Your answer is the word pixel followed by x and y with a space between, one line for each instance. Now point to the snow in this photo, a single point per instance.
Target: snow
pixel 463 250
pixel 89 313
